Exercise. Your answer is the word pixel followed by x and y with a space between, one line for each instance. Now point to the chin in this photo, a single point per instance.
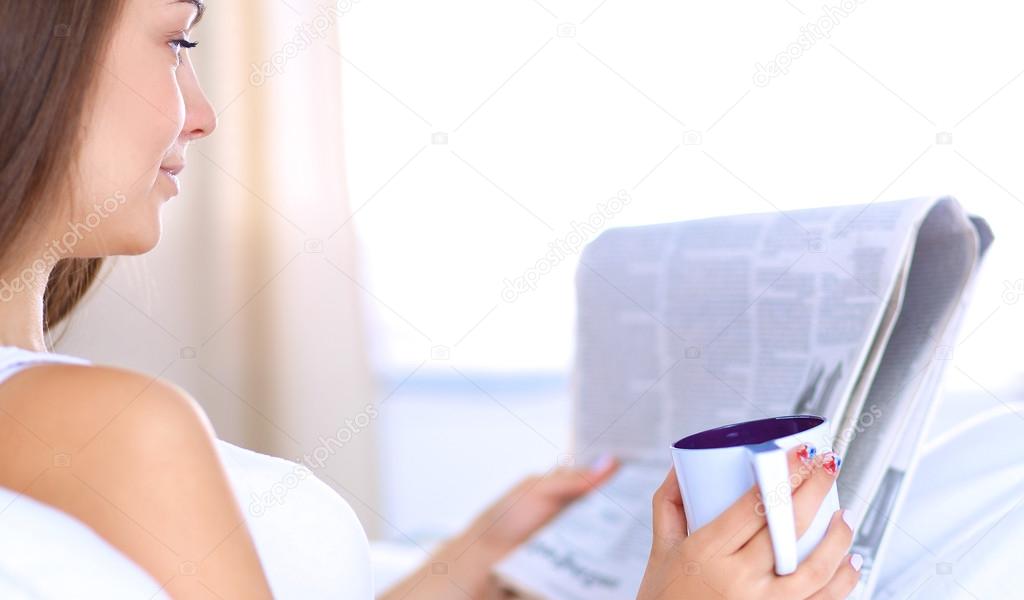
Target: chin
pixel 139 239
pixel 141 244
pixel 142 231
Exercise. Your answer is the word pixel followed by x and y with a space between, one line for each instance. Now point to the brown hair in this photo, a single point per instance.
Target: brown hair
pixel 50 52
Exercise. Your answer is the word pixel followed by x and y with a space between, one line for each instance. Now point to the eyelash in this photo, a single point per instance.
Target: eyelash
pixel 183 43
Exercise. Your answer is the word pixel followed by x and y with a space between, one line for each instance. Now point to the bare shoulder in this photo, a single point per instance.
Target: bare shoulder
pixel 88 389
pixel 72 406
pixel 63 419
pixel 61 415
pixel 131 455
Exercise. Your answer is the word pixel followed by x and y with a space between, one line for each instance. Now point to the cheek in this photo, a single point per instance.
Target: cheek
pixel 138 116
pixel 134 118
pixel 152 114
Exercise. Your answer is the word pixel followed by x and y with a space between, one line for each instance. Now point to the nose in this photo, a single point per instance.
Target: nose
pixel 200 117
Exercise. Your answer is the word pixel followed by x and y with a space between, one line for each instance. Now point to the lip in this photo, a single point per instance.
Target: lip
pixel 173 168
pixel 171 173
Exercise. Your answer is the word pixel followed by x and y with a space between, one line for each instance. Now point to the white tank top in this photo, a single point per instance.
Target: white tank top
pixel 308 538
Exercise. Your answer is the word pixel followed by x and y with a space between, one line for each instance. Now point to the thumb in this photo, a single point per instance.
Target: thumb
pixel 569 484
pixel 669 519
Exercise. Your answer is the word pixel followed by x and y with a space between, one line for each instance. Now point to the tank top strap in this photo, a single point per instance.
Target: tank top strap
pixel 14 359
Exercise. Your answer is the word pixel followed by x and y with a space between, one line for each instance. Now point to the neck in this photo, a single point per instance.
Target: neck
pixel 21 307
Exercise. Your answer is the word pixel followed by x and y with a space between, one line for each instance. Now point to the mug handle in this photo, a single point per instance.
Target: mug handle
pixel 771 469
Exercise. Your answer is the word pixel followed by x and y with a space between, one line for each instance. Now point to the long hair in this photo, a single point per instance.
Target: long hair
pixel 50 53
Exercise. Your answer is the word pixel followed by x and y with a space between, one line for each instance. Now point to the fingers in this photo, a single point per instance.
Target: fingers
pixel 808 498
pixel 820 474
pixel 667 505
pixel 568 484
pixel 843 582
pixel 745 518
pixel 818 569
pixel 601 470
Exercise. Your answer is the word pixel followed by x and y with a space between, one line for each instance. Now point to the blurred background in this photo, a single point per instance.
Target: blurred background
pixel 383 169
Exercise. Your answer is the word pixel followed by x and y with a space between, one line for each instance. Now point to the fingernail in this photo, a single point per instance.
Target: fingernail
pixel 830 461
pixel 806 453
pixel 603 462
pixel 856 561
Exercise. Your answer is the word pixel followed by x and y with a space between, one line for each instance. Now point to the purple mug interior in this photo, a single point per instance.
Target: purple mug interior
pixel 749 432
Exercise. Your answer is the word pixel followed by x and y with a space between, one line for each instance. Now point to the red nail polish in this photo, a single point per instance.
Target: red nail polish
pixel 830 461
pixel 806 453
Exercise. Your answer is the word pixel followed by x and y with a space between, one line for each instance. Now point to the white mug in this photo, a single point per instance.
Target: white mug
pixel 716 467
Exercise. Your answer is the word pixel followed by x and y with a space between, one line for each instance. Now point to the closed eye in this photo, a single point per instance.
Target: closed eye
pixel 183 43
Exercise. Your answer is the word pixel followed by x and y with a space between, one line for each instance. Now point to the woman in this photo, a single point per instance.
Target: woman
pixel 99 103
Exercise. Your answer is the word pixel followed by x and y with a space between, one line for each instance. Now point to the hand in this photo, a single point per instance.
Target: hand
pixel 466 561
pixel 731 557
pixel 532 504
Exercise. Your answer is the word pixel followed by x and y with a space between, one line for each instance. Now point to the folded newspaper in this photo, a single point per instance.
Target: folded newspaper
pixel 848 312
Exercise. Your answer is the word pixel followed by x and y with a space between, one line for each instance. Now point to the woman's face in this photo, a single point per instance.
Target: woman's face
pixel 146 108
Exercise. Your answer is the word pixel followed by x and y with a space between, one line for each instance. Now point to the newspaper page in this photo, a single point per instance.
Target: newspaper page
pixel 948 250
pixel 692 325
pixel 944 257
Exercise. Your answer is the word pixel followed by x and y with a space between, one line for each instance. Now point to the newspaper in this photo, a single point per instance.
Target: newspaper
pixel 846 312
